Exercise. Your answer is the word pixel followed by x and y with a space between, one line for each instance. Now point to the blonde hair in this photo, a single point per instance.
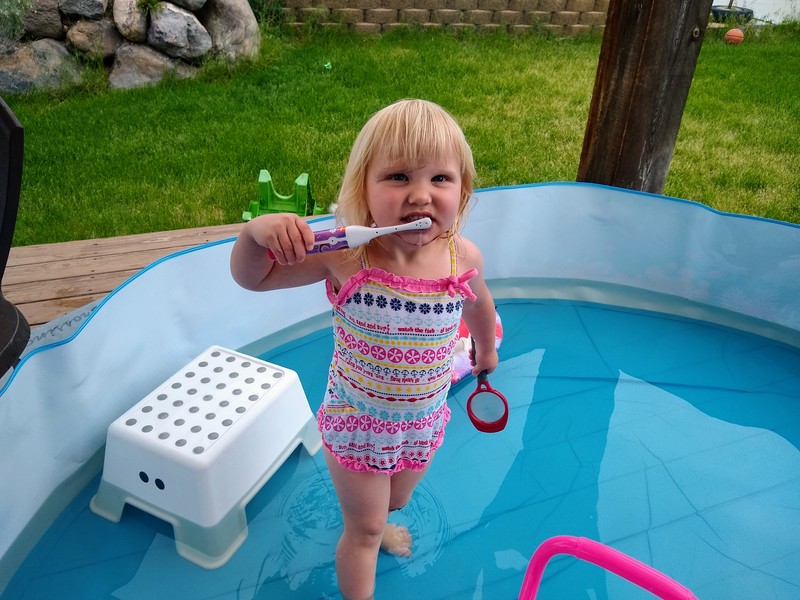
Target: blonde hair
pixel 412 132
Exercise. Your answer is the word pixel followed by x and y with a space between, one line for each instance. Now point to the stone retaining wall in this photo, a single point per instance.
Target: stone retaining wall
pixel 562 18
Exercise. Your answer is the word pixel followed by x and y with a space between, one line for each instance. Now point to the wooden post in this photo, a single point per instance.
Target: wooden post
pixel 647 61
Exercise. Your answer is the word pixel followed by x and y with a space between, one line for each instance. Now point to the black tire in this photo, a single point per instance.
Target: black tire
pixel 723 14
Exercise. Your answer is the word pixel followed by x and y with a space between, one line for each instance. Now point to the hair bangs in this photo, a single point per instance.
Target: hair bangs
pixel 418 132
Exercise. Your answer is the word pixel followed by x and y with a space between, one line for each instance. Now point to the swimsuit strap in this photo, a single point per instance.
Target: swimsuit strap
pixel 453 261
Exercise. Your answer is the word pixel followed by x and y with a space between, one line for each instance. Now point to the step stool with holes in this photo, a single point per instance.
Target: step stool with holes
pixel 201 445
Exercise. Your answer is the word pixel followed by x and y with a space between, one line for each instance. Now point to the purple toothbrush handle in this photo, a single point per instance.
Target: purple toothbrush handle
pixel 329 240
pixel 326 240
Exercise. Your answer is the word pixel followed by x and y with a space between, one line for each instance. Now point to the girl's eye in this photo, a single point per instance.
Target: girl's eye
pixel 440 178
pixel 397 177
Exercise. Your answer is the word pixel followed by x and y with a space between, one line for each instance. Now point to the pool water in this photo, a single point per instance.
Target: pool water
pixel 671 440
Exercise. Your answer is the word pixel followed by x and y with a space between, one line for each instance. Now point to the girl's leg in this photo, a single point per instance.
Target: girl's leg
pixel 397 539
pixel 364 500
pixel 403 484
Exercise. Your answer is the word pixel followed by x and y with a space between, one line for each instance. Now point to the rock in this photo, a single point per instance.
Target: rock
pixel 177 32
pixel 137 65
pixel 233 28
pixel 44 21
pixel 131 21
pixel 91 9
pixel 94 38
pixel 227 26
pixel 192 5
pixel 42 64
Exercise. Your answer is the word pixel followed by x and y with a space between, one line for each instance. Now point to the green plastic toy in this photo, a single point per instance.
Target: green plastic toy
pixel 300 202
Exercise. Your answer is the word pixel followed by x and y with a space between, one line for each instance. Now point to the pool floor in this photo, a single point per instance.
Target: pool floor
pixel 671 440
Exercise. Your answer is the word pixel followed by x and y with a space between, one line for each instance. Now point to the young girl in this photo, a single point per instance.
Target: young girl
pixel 397 302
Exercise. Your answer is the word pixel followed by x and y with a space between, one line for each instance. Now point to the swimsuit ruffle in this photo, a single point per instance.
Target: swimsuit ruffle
pixel 453 284
pixel 351 463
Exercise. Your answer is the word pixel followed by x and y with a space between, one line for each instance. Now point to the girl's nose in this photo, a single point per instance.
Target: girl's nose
pixel 419 194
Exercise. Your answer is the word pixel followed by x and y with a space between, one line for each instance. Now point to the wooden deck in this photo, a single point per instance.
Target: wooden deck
pixel 49 280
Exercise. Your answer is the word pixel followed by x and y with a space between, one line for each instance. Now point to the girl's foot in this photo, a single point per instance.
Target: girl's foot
pixel 396 540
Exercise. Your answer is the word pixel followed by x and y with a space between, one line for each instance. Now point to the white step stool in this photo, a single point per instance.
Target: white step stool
pixel 200 446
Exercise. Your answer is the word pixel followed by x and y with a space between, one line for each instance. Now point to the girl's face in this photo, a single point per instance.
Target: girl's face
pixel 399 194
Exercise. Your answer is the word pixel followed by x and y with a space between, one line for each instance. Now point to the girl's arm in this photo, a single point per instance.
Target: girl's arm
pixel 289 237
pixel 479 315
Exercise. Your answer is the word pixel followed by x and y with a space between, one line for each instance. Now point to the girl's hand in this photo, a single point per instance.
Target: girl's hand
pixel 484 358
pixel 286 234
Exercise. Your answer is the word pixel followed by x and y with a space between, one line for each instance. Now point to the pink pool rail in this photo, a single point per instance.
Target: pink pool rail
pixel 603 556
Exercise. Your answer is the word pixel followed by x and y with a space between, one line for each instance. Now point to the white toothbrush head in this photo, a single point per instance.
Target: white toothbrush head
pixel 423 223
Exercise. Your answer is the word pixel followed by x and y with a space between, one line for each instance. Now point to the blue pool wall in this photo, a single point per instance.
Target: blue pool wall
pixel 567 241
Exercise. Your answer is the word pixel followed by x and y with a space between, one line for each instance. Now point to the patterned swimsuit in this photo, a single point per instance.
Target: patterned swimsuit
pixel 385 407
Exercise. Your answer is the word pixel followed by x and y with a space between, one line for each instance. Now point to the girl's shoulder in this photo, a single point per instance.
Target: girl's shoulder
pixel 468 254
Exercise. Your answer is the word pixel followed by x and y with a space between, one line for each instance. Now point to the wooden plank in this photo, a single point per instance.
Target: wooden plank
pixel 76 267
pixel 66 287
pixel 47 281
pixel 39 313
pixel 182 238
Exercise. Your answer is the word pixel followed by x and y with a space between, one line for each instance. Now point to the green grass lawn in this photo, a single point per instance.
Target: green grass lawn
pixel 187 153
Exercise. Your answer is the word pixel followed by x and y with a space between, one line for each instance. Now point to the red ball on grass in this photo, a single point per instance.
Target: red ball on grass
pixel 734 37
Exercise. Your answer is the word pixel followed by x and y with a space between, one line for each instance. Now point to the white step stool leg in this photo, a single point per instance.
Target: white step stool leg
pixel 200 446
